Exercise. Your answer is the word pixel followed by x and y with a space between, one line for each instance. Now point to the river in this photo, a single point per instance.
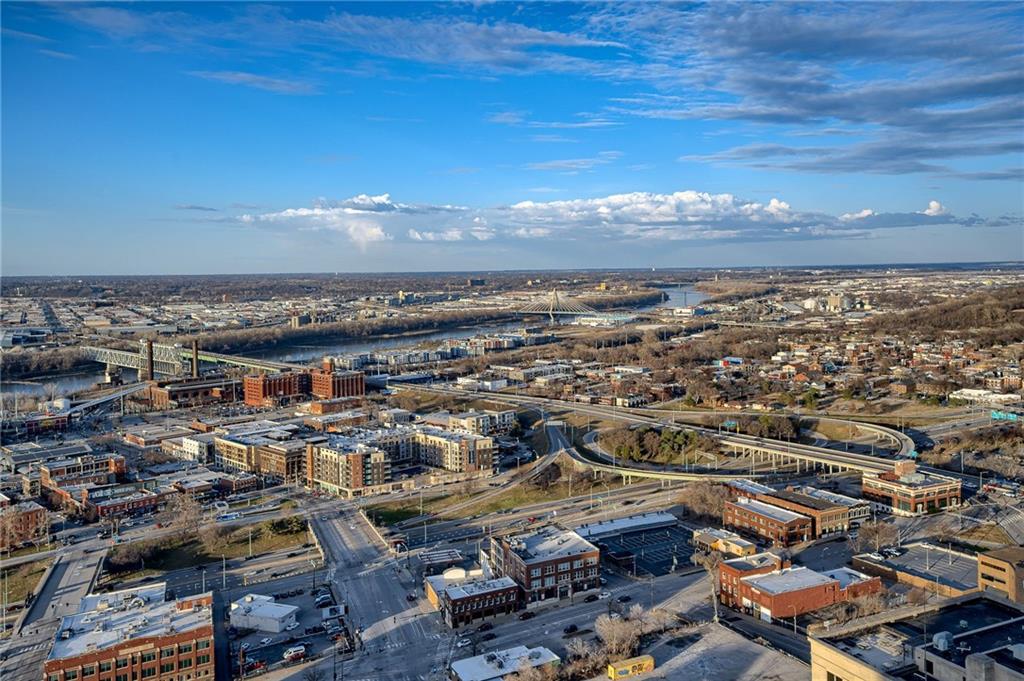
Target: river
pixel 64 384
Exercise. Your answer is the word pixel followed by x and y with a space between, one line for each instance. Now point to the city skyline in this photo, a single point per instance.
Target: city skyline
pixel 439 137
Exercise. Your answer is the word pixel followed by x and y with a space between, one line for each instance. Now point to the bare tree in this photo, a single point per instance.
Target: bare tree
pixel 184 514
pixel 618 636
pixel 705 498
pixel 710 563
pixel 314 674
pixel 876 534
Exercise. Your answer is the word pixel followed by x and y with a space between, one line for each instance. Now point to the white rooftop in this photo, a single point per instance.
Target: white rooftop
pixel 549 542
pixel 781 514
pixel 845 576
pixel 259 605
pixel 633 523
pixel 475 588
pixel 786 580
pixel 105 620
pixel 495 666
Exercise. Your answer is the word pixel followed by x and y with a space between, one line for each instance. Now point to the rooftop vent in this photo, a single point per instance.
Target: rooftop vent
pixel 942 640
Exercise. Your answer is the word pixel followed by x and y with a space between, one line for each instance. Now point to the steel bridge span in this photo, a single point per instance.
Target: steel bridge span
pixel 176 360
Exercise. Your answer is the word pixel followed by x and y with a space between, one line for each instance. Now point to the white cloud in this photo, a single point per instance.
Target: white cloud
pixel 859 215
pixel 574 165
pixel 935 209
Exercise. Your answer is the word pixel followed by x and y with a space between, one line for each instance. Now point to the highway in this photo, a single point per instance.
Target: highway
pixel 746 443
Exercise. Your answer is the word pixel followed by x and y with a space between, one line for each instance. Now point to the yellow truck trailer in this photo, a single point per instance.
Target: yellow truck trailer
pixel 634 666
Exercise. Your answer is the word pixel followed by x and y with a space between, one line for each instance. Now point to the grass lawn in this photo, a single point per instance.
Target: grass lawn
pixel 527 493
pixel 175 554
pixel 392 512
pixel 23 579
pixel 989 532
pixel 29 550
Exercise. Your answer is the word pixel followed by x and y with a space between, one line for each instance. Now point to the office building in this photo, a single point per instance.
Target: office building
pixel 1002 570
pixel 826 517
pixel 261 613
pixel 905 492
pixel 462 600
pixel 547 563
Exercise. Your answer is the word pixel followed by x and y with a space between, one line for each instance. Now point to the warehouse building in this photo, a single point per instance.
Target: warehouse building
pixel 771 523
pixel 136 634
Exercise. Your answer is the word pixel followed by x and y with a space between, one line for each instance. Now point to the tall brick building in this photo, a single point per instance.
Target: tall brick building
pixel 777 525
pixel 329 385
pixel 826 517
pixel 271 390
pixel 548 563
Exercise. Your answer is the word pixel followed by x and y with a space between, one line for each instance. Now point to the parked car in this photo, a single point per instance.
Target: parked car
pixel 486 626
pixel 624 599
pixel 489 636
pixel 528 615
pixel 591 598
pixel 571 629
pixel 266 641
pixel 463 642
pixel 292 626
pixel 294 654
pixel 604 594
pixel 244 646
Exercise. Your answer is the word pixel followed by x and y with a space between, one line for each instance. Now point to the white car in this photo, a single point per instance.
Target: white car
pixel 244 646
pixel 266 641
pixel 463 642
pixel 604 595
pixel 293 625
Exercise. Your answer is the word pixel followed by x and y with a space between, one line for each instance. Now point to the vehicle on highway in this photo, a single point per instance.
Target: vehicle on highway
pixel 486 626
pixel 624 599
pixel 527 615
pixel 604 594
pixel 571 629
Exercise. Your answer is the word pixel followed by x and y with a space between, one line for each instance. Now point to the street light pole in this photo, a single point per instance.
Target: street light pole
pixel 223 572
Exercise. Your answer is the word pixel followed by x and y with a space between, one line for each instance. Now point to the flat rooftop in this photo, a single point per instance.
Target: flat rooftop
pixel 497 665
pixel 478 587
pixel 805 500
pixel 786 580
pixel 933 563
pixel 549 542
pixel 754 562
pixel 834 497
pixel 845 576
pixel 750 487
pixel 782 515
pixel 105 620
pixel 633 523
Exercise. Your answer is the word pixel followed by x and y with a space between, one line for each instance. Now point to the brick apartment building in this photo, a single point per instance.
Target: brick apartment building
pixel 271 390
pixel 906 492
pixel 777 525
pixel 826 517
pixel 350 470
pixel 794 591
pixel 80 470
pixel 21 523
pixel 548 563
pixel 134 634
pixel 329 385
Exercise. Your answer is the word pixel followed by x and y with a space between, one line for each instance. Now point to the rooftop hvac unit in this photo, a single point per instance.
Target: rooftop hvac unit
pixel 942 640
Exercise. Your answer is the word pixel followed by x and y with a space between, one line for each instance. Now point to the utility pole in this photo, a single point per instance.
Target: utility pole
pixel 223 572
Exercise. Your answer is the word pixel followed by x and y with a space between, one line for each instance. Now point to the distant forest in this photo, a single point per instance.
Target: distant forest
pixel 993 317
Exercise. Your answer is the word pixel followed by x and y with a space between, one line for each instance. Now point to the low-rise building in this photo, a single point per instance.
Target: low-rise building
pixel 711 539
pixel 794 591
pixel 1002 570
pixel 774 524
pixel 462 600
pixel 906 492
pixel 731 571
pixel 547 563
pixel 931 567
pixel 21 523
pixel 501 664
pixel 134 634
pixel 262 613
pixel 826 517
pixel 858 510
pixel 978 637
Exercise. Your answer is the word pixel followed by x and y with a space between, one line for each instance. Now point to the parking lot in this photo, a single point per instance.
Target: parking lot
pixel 313 631
pixel 657 551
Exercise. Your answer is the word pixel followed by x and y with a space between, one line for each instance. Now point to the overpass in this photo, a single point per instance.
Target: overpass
pixel 765 450
pixel 175 360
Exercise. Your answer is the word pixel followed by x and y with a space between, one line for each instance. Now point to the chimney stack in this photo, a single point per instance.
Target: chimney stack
pixel 195 359
pixel 150 372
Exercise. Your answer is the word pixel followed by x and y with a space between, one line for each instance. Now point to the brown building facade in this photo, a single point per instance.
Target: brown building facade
pixel 329 385
pixel 1002 570
pixel 779 526
pixel 826 517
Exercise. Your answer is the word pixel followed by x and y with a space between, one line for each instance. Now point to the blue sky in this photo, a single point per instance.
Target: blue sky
pixel 202 137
